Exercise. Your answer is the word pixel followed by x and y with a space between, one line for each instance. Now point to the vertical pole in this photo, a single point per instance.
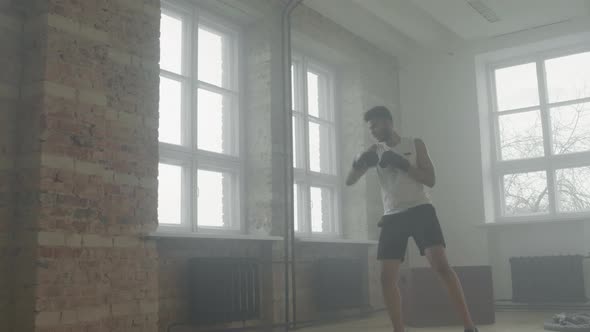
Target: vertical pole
pixel 289 229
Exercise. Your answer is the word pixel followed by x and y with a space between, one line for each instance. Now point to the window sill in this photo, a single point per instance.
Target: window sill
pixel 238 236
pixel 221 236
pixel 334 240
pixel 503 223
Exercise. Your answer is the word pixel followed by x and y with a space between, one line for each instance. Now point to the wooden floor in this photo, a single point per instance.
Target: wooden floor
pixel 505 322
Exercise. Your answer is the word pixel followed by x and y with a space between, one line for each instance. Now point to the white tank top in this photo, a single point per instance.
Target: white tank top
pixel 398 190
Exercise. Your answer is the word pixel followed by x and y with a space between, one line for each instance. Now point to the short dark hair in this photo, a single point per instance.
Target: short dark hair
pixel 378 112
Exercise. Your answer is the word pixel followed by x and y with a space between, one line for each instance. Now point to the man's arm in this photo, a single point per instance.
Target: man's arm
pixel 357 172
pixel 354 175
pixel 424 170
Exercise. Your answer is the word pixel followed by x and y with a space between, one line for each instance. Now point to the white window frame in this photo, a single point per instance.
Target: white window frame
pixel 188 155
pixel 304 177
pixel 550 162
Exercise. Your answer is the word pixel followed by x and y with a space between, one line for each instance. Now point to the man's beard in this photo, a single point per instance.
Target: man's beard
pixel 386 137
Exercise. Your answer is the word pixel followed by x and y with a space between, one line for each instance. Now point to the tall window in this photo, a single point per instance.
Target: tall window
pixel 316 184
pixel 199 167
pixel 541 110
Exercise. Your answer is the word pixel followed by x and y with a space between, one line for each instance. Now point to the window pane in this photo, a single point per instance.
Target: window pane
pixel 321 209
pixel 170 128
pixel 313 95
pixel 571 128
pixel 213 194
pixel 213 122
pixel 171 43
pixel 568 77
pixel 573 189
pixel 320 148
pixel 213 58
pixel 516 87
pixel 296 206
pixel 294 82
pixel 169 194
pixel 297 141
pixel 521 135
pixel 317 96
pixel 525 193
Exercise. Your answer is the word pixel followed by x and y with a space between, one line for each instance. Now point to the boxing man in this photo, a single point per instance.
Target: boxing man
pixel 405 170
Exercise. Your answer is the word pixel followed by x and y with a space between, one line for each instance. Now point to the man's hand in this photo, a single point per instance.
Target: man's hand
pixel 392 159
pixel 365 160
pixel 362 163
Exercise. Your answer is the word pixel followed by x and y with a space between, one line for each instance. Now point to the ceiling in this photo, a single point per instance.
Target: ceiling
pixel 444 23
pixel 512 15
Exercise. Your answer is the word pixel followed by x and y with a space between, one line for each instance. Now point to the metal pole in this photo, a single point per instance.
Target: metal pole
pixel 289 231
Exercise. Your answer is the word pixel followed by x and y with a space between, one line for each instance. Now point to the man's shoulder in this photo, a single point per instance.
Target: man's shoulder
pixel 417 141
pixel 411 138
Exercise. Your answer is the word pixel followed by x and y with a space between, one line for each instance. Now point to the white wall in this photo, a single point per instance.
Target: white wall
pixel 439 103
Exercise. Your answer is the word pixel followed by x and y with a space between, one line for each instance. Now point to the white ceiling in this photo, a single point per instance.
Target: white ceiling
pixel 365 24
pixel 444 24
pixel 514 15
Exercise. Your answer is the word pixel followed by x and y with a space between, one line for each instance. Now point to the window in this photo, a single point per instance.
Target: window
pixel 316 177
pixel 200 163
pixel 541 113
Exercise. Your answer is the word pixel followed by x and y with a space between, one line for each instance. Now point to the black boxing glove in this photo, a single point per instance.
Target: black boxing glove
pixel 390 158
pixel 366 159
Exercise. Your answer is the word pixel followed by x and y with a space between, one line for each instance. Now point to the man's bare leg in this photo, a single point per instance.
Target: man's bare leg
pixel 439 262
pixel 391 293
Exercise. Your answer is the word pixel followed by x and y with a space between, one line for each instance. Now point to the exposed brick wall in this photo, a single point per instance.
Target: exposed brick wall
pixel 265 155
pixel 88 154
pixel 84 147
pixel 10 61
pixel 258 130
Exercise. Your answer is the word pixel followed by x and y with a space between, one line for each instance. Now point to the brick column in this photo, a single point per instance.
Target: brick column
pixel 88 156
pixel 10 61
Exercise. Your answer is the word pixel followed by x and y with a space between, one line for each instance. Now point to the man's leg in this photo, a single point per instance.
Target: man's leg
pixel 391 292
pixel 438 260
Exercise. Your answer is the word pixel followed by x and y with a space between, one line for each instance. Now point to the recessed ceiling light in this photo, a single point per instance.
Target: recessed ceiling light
pixel 482 9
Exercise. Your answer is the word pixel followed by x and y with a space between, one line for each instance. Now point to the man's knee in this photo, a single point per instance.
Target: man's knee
pixel 389 274
pixel 388 277
pixel 443 270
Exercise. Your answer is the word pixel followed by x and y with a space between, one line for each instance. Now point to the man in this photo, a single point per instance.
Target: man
pixel 405 170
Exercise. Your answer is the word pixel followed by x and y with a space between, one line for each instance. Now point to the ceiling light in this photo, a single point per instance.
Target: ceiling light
pixel 483 10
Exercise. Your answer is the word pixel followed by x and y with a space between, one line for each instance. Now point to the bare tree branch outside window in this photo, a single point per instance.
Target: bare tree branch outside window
pixel 521 137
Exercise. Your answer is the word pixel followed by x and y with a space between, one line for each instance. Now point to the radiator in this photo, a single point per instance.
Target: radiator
pixel 224 290
pixel 337 284
pixel 548 279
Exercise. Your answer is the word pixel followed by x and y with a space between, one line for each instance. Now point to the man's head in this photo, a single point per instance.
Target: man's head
pixel 380 123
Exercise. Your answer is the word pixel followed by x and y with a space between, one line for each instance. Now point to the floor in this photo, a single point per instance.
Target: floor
pixel 514 321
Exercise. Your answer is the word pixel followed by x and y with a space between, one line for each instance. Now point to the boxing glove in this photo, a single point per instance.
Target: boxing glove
pixel 392 159
pixel 366 159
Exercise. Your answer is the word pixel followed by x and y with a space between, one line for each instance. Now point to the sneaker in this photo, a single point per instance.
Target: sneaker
pixel 472 330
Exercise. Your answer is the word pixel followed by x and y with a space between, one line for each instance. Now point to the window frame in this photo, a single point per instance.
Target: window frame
pixel 188 153
pixel 304 177
pixel 550 163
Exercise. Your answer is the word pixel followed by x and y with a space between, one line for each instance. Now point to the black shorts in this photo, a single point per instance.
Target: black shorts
pixel 419 222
